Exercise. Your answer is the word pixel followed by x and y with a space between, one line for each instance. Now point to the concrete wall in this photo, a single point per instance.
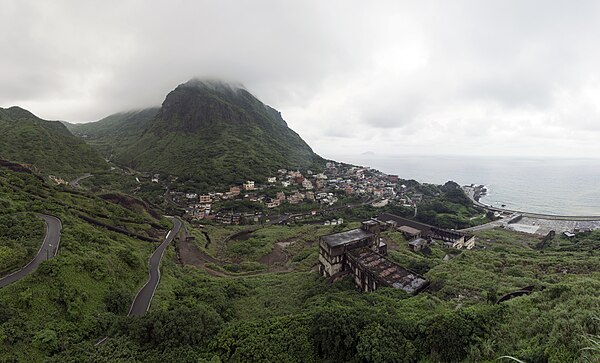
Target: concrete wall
pixel 364 279
pixel 328 268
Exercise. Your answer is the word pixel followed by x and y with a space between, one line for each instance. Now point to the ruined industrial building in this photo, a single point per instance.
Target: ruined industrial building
pixel 361 252
pixel 418 232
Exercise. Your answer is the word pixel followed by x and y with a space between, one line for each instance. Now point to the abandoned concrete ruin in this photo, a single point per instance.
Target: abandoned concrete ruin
pixel 361 252
pixel 420 234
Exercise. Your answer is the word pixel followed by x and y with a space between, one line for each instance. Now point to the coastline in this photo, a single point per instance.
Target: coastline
pixel 470 191
pixel 544 186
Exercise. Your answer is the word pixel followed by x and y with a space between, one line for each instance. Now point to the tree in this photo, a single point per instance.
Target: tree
pixel 384 342
pixel 335 331
pixel 46 340
pixel 178 327
pixel 117 301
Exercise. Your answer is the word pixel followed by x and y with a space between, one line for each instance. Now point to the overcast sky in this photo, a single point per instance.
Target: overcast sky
pixel 389 77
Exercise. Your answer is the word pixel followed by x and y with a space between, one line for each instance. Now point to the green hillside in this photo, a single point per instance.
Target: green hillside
pixel 95 276
pixel 113 134
pixel 47 145
pixel 210 130
pixel 223 301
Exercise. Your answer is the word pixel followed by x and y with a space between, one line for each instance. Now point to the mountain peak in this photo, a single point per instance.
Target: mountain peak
pixel 216 131
pixel 16 112
pixel 202 102
pixel 213 84
pixel 48 145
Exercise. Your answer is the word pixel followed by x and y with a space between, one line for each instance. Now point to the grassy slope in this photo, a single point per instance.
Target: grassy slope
pixel 114 133
pixel 60 310
pixel 69 299
pixel 48 145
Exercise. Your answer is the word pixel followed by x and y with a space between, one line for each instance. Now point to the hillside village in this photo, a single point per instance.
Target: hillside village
pixel 296 190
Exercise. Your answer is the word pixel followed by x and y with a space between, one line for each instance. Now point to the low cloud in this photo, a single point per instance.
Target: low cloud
pixel 466 77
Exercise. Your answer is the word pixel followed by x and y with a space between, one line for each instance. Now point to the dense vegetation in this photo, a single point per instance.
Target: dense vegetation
pixel 113 134
pixel 96 274
pixel 215 312
pixel 447 206
pixel 20 237
pixel 211 131
pixel 47 145
pixel 298 316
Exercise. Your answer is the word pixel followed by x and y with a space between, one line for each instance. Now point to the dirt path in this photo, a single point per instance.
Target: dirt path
pixel 190 255
pixel 277 259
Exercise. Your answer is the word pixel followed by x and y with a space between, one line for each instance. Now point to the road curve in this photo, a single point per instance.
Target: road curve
pixel 555 217
pixel 75 182
pixel 142 300
pixel 48 250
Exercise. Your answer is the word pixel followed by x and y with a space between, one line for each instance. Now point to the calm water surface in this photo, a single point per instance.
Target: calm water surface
pixel 551 186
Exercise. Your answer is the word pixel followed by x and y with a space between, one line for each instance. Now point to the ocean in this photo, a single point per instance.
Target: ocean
pixel 537 185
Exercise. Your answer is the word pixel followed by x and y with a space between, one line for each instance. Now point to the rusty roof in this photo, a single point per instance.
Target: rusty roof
pixel 409 230
pixel 391 273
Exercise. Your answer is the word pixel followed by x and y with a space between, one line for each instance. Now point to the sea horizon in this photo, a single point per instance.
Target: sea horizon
pixel 547 185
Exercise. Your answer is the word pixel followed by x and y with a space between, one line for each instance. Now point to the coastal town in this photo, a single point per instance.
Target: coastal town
pixel 294 191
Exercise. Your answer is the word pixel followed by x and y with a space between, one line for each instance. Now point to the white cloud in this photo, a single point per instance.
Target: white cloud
pixel 466 77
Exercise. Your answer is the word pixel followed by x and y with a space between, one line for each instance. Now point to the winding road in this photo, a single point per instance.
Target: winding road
pixel 48 250
pixel 143 299
pixel 75 182
pixel 469 192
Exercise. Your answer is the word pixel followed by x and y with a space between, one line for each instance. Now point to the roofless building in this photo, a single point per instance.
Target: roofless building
pixel 361 252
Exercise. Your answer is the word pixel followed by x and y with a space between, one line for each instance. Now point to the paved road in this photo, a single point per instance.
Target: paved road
pixel 469 193
pixel 48 250
pixel 75 182
pixel 483 227
pixel 141 302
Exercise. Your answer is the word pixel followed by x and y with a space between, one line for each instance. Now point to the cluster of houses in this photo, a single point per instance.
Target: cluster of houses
pixel 364 181
pixel 297 188
pixel 294 188
pixel 361 181
pixel 200 206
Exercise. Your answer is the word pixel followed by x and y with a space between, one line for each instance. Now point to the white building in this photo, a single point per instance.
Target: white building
pixel 205 199
pixel 307 184
pixel 249 185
